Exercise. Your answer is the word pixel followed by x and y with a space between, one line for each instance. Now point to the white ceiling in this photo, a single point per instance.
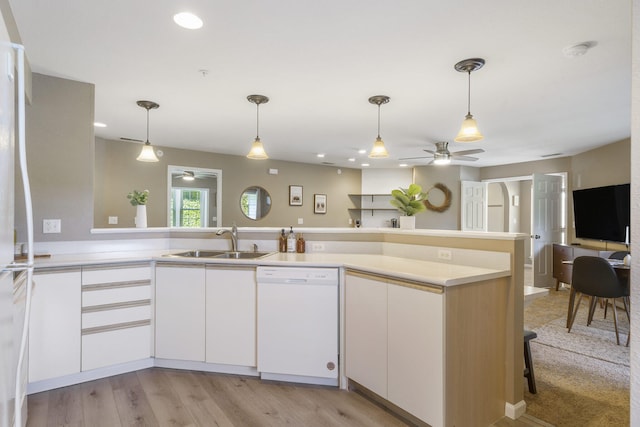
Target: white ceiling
pixel 320 61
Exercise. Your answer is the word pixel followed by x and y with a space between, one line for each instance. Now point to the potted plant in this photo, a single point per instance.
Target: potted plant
pixel 139 200
pixel 409 201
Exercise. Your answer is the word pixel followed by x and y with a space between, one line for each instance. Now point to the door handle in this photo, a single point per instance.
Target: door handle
pixel 537 236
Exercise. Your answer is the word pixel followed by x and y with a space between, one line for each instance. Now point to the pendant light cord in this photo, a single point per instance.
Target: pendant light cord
pixel 469 95
pixel 147 126
pixel 257 120
pixel 378 120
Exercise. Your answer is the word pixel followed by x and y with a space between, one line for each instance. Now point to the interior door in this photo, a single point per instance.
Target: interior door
pixel 474 206
pixel 545 225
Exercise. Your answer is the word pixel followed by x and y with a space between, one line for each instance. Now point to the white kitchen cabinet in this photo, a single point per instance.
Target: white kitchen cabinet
pixel 395 343
pixel 415 352
pixel 180 311
pixel 366 332
pixel 231 315
pixel 116 314
pixel 55 324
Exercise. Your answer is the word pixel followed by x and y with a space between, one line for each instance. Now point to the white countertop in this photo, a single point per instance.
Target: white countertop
pixel 437 273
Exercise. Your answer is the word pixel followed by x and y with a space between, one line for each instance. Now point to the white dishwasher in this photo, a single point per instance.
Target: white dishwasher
pixel 298 324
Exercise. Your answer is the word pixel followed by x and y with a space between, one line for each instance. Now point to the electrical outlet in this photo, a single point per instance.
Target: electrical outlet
pixel 317 247
pixel 51 226
pixel 444 254
pixel 113 220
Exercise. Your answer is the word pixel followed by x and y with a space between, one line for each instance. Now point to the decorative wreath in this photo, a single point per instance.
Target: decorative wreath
pixel 447 198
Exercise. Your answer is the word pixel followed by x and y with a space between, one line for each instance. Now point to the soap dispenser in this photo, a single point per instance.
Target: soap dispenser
pixel 291 241
pixel 282 242
pixel 300 245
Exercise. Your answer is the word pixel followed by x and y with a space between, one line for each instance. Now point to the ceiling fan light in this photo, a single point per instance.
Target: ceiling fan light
pixel 188 176
pixel 378 151
pixel 257 151
pixel 441 161
pixel 147 154
pixel 469 131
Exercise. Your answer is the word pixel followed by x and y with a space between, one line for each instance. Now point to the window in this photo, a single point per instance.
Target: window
pixel 189 207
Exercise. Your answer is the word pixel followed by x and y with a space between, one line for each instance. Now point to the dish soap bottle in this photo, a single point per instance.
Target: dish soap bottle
pixel 282 242
pixel 300 244
pixel 291 241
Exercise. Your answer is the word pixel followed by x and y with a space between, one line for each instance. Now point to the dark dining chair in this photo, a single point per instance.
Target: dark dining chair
pixel 619 255
pixel 594 277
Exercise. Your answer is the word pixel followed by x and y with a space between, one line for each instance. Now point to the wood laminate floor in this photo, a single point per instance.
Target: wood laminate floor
pixel 164 397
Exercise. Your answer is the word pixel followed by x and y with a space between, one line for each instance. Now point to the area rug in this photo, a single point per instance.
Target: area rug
pixel 582 377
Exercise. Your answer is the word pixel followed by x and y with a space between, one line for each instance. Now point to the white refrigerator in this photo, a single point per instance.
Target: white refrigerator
pixel 15 277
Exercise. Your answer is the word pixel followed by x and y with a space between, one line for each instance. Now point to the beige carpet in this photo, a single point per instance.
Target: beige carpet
pixel 583 376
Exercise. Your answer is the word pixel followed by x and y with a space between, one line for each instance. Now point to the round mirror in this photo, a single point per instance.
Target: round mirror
pixel 255 203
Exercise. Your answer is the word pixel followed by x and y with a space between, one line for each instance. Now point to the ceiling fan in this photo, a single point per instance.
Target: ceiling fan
pixel 443 156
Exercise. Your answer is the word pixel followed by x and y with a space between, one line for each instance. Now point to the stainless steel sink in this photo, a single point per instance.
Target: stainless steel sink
pixel 242 255
pixel 219 254
pixel 198 254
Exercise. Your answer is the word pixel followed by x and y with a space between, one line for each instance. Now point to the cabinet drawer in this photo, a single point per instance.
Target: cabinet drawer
pixel 113 295
pixel 116 346
pixel 111 316
pixel 96 275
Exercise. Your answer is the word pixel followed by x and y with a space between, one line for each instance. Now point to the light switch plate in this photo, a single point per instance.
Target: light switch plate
pixel 50 226
pixel 300 221
pixel 113 220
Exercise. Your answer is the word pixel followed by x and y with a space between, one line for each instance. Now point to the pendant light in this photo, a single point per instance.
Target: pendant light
pixel 378 151
pixel 469 131
pixel 147 154
pixel 257 150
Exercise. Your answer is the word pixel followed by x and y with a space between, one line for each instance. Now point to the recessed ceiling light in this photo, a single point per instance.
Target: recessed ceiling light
pixel 321 155
pixel 99 125
pixel 403 165
pixel 351 159
pixel 187 20
pixel 363 151
pixel 365 164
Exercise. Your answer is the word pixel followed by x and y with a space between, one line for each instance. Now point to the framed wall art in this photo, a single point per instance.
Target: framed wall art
pixel 295 195
pixel 320 203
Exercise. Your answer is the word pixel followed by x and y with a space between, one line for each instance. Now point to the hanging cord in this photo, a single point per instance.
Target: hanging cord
pixel 257 120
pixel 378 120
pixel 469 95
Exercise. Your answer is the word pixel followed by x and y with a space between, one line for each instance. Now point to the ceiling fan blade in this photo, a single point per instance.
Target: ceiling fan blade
pixel 130 139
pixel 465 158
pixel 465 152
pixel 429 151
pixel 414 158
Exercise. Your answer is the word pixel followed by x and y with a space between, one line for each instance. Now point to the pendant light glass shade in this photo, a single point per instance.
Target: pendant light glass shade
pixel 469 131
pixel 379 151
pixel 257 150
pixel 148 153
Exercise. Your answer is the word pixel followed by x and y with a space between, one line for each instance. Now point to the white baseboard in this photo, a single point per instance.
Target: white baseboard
pixel 515 411
pixel 206 367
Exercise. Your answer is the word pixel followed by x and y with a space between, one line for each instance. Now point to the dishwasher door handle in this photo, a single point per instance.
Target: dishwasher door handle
pixel 295 280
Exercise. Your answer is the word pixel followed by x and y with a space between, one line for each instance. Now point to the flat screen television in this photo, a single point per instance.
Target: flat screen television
pixel 602 213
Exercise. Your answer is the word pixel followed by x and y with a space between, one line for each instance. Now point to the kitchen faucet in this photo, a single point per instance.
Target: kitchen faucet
pixel 234 236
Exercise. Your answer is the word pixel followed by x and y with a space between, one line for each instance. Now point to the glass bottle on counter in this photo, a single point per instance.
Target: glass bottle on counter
pixel 291 241
pixel 300 245
pixel 282 242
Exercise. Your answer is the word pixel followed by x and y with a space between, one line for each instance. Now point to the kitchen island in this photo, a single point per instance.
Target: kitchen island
pixel 468 319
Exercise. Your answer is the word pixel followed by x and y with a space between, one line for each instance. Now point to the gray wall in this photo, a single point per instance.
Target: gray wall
pixel 118 173
pixel 427 177
pixel 60 153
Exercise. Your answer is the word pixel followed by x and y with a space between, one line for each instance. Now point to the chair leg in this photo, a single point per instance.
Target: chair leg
pixel 572 298
pixel 592 309
pixel 575 311
pixel 615 321
pixel 528 371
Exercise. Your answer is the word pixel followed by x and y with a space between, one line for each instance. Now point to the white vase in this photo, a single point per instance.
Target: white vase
pixel 141 216
pixel 407 222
